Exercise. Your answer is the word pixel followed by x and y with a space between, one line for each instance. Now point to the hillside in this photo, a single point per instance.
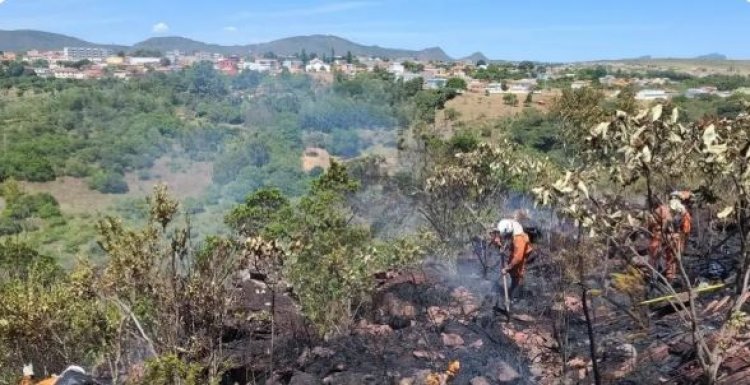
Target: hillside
pixel 476 56
pixel 186 45
pixel 22 40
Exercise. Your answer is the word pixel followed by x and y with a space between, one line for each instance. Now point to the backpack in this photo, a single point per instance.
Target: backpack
pixel 534 233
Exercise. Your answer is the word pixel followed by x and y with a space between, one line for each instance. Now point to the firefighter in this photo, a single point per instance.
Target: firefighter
pixel 511 232
pixel 660 227
pixel 682 221
pixel 73 375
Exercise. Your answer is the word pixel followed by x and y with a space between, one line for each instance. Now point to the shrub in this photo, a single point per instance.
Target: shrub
pixel 108 182
pixel 42 205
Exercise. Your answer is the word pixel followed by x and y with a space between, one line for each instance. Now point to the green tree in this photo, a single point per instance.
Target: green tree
pixel 456 83
pixel 349 58
pixel 510 99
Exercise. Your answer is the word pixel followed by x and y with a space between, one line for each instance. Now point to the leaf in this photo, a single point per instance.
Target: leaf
pixel 641 115
pixel 709 135
pixel 725 213
pixel 674 138
pixel 656 112
pixel 675 115
pixel 646 154
pixel 582 186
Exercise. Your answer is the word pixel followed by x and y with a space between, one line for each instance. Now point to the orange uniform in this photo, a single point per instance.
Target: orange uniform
pixel 661 227
pixel 521 249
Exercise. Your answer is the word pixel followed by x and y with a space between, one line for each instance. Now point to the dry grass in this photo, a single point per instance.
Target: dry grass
pixel 315 157
pixel 75 197
pixel 476 107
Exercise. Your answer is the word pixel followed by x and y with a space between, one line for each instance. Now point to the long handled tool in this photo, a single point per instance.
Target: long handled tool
pixel 505 288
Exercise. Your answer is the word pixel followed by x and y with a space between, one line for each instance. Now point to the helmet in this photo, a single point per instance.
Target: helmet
pixel 509 227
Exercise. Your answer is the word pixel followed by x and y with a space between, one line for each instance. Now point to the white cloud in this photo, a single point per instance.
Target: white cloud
pixel 2 1
pixel 160 27
pixel 234 29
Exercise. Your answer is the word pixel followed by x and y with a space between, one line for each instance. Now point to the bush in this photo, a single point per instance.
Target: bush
pixel 108 182
pixel 42 205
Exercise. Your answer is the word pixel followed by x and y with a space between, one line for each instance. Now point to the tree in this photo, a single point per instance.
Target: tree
pixel 305 59
pixel 456 83
pixel 510 99
pixel 529 99
pixel 165 62
pixel 349 58
pixel 481 62
pixel 526 66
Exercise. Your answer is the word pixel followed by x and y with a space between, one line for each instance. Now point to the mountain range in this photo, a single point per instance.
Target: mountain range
pixel 24 40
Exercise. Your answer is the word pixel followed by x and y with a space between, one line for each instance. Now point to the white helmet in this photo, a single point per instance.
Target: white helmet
pixel 509 227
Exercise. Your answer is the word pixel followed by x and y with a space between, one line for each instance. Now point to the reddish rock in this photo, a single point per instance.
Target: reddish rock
pixel 452 340
pixel 503 373
pixel 467 303
pixel 437 315
pixel 479 381
pixel 364 327
pixel 656 353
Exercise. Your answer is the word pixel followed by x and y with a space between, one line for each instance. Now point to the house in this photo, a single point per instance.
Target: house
pixel 228 66
pixel 396 69
pixel 142 61
pixel 261 65
pixel 317 65
pixel 578 84
pixel 68 73
pixel 651 94
pixel 115 60
pixel 495 88
pixel 435 83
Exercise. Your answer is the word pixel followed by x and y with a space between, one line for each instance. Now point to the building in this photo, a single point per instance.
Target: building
pixel 495 88
pixel 88 53
pixel 142 61
pixel 69 73
pixel 228 66
pixel 651 94
pixel 435 83
pixel 317 65
pixel 261 65
pixel 578 84
pixel 397 69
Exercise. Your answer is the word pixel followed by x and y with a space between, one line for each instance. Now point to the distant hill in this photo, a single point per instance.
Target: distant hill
pixel 23 40
pixel 712 56
pixel 183 44
pixel 476 56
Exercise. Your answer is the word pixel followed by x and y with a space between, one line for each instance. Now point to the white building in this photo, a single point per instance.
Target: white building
pixel 140 61
pixel 651 95
pixel 396 69
pixel 317 65
pixel 261 65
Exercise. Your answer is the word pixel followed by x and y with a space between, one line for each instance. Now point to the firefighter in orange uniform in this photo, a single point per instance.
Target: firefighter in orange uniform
pixel 507 230
pixel 659 225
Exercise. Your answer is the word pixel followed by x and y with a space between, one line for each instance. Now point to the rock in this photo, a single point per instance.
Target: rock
pixel 391 306
pixel 452 340
pixel 304 358
pixel 350 378
pixel 573 304
pixel 406 381
pixel 504 373
pixel 364 327
pixel 428 355
pixel 437 315
pixel 479 381
pixel 467 303
pixel 322 352
pixel 302 378
pixel 477 344
pixel 577 363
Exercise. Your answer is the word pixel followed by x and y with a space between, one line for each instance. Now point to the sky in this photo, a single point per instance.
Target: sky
pixel 544 30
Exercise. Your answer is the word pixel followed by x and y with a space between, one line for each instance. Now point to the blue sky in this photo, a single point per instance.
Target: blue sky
pixel 553 30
